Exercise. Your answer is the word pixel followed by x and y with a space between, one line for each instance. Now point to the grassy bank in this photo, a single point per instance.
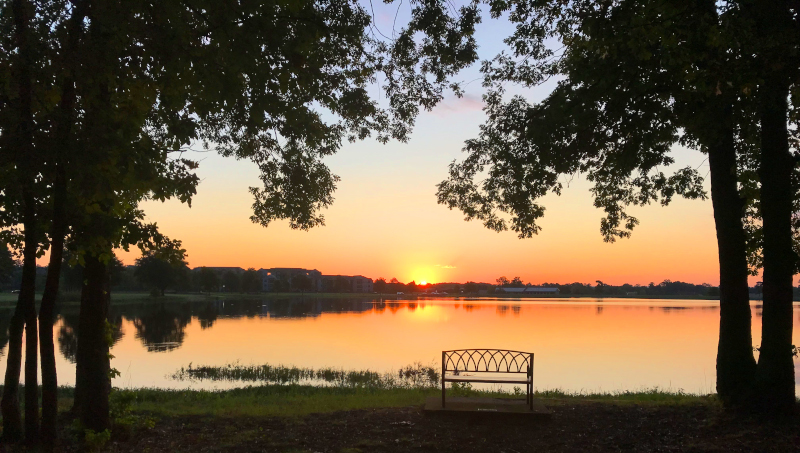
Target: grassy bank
pixel 341 419
pixel 299 400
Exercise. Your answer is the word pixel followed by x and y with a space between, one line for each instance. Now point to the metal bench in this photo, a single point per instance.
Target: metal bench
pixel 507 367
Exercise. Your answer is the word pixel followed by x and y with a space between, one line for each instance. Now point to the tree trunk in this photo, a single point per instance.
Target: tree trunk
pixel 31 351
pixel 12 423
pixel 92 380
pixel 12 419
pixel 47 312
pixel 775 375
pixel 736 366
pixel 59 229
pixel 23 136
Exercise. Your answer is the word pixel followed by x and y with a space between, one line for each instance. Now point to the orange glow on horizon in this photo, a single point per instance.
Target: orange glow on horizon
pixel 386 222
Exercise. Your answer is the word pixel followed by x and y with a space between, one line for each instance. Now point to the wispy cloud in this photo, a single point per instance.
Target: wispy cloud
pixel 454 104
pixel 445 266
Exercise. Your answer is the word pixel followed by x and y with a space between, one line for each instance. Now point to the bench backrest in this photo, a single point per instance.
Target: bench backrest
pixel 487 360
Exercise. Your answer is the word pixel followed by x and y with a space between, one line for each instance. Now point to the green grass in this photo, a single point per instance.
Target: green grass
pixel 299 400
pixel 270 400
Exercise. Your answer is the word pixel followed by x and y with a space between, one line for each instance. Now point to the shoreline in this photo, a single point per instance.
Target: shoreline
pixel 121 297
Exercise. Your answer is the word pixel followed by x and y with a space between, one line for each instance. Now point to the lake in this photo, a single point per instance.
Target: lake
pixel 579 344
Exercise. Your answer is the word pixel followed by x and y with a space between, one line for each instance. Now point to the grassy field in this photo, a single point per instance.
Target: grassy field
pixel 340 419
pixel 301 400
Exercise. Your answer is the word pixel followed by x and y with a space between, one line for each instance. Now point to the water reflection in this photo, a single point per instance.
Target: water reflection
pixel 68 332
pixel 635 343
pixel 162 328
pixel 5 321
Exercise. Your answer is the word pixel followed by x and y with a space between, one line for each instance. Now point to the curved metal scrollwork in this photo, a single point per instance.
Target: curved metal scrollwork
pixel 487 360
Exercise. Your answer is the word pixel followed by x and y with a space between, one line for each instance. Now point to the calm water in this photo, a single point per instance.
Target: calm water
pixel 579 344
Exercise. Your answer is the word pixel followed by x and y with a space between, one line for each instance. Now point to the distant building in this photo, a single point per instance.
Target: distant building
pixel 346 283
pixel 528 290
pixel 272 278
pixel 222 270
pixel 285 279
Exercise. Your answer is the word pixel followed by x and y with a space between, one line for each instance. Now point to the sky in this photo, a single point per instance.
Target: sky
pixel 385 221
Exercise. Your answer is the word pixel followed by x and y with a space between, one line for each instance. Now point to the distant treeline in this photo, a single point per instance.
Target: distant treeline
pixel 156 276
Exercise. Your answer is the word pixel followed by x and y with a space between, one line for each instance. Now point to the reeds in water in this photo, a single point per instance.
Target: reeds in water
pixel 411 376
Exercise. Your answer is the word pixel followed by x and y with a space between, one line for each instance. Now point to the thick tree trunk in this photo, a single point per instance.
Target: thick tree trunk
pixel 31 355
pixel 92 380
pixel 47 313
pixel 23 136
pixel 775 375
pixel 736 366
pixel 12 419
pixel 59 229
pixel 12 422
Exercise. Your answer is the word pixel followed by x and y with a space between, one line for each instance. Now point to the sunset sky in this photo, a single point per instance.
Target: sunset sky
pixel 385 221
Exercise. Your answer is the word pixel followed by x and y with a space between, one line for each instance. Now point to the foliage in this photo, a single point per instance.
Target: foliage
pixel 600 121
pixel 161 269
pixel 379 285
pixel 231 282
pixel 207 278
pixel 7 265
pixel 251 281
pixel 94 441
pixel 301 282
pixel 516 282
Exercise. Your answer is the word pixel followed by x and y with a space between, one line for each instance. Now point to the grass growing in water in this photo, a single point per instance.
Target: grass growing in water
pixel 416 376
pixel 281 391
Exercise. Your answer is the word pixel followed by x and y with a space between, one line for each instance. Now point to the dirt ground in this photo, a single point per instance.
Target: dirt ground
pixel 578 427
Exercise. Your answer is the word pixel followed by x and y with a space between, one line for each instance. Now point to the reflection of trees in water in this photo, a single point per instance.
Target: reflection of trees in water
pixel 68 333
pixel 207 315
pixel 162 329
pixel 68 336
pixel 5 320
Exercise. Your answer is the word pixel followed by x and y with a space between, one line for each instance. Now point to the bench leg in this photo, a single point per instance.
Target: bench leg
pixel 442 392
pixel 530 396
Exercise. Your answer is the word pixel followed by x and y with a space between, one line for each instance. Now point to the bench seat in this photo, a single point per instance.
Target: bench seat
pixel 490 366
pixel 489 379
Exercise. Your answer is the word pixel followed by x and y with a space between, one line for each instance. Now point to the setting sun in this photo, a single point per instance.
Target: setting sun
pixel 423 282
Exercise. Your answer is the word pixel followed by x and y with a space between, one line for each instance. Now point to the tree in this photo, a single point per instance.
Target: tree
pixel 126 101
pixel 301 282
pixel 157 271
pixel 675 76
pixel 516 282
pixel 231 282
pixel 251 281
pixel 503 281
pixel 411 286
pixel 471 288
pixel 775 50
pixel 380 285
pixel 7 265
pixel 208 279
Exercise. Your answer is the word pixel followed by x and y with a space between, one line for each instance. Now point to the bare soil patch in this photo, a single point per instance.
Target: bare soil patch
pixel 574 427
